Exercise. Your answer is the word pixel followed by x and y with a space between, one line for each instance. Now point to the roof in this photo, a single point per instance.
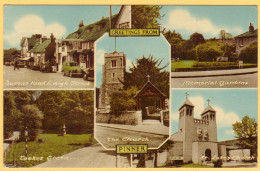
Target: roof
pixel 187 102
pixel 41 47
pixel 95 33
pixel 143 89
pixel 208 108
pixel 32 41
pixel 248 34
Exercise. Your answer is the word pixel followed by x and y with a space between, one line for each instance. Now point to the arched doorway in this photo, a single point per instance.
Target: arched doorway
pixel 208 154
pixel 153 103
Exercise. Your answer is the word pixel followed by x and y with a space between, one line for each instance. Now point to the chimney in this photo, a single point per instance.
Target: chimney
pixel 81 23
pixel 251 27
pixel 52 37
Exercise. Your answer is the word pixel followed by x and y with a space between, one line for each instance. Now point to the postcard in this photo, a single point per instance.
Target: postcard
pixel 130 86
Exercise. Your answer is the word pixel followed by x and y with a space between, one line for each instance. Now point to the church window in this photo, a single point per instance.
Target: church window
pixel 113 63
pixel 113 75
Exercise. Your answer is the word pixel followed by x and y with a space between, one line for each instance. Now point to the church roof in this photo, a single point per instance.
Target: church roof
pixel 208 108
pixel 187 102
pixel 248 34
pixel 147 86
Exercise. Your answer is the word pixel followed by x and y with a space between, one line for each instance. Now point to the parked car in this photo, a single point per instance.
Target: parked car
pixel 71 69
pixel 45 67
pixel 88 74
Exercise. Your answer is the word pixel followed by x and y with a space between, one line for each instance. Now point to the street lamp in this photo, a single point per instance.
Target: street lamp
pixel 26 136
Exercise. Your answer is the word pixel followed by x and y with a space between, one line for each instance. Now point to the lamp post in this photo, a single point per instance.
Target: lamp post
pixel 26 136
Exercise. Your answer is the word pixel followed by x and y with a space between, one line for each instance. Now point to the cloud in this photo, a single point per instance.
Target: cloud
pixel 224 119
pixel 33 24
pixel 182 19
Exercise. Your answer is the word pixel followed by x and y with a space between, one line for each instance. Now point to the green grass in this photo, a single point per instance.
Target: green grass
pixel 54 146
pixel 182 64
pixel 195 64
pixel 195 165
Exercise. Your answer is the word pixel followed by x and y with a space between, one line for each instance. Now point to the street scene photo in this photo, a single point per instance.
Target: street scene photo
pixel 132 96
pixel 44 51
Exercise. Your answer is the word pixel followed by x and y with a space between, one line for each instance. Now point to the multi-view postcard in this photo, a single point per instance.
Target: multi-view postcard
pixel 130 86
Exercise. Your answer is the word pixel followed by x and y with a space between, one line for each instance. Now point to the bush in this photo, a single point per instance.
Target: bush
pixel 218 163
pixel 249 54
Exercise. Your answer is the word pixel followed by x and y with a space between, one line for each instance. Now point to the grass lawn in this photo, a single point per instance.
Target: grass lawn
pixel 182 64
pixel 54 146
pixel 195 64
pixel 195 165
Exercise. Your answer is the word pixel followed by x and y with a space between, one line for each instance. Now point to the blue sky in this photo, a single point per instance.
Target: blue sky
pixel 133 47
pixel 25 20
pixel 230 104
pixel 208 20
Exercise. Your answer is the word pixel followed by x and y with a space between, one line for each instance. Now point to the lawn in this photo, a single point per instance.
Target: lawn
pixel 182 64
pixel 194 165
pixel 53 146
pixel 209 65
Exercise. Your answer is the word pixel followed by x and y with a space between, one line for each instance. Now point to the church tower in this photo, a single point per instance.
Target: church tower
pixel 186 116
pixel 209 114
pixel 113 70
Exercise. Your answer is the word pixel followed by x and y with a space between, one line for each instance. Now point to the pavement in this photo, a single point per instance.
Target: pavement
pixel 89 157
pixel 158 129
pixel 213 73
pixel 237 164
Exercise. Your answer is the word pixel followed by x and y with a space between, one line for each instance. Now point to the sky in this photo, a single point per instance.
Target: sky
pixel 134 48
pixel 25 20
pixel 208 20
pixel 230 106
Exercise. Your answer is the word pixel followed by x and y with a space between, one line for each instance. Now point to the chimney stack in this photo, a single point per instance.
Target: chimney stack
pixel 81 23
pixel 251 27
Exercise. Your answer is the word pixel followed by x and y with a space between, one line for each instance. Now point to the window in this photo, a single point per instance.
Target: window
pixel 113 75
pixel 113 63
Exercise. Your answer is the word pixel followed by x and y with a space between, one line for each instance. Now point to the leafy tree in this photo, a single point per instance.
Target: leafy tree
pixel 175 39
pixel 30 120
pixel 197 38
pixel 249 54
pixel 13 103
pixel 208 51
pixel 246 132
pixel 145 66
pixel 123 101
pixel 72 108
pixel 146 16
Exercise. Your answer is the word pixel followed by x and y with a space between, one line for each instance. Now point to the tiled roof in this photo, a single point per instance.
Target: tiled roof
pixel 248 34
pixel 95 32
pixel 208 108
pixel 31 41
pixel 187 102
pixel 40 47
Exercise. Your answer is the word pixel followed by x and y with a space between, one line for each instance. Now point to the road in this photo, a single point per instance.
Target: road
pixel 89 157
pixel 110 137
pixel 29 79
pixel 232 81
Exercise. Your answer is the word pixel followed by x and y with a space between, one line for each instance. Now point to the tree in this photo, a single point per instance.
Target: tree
pixel 197 38
pixel 209 51
pixel 72 108
pixel 145 66
pixel 145 16
pixel 30 120
pixel 246 132
pixel 175 39
pixel 249 53
pixel 123 101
